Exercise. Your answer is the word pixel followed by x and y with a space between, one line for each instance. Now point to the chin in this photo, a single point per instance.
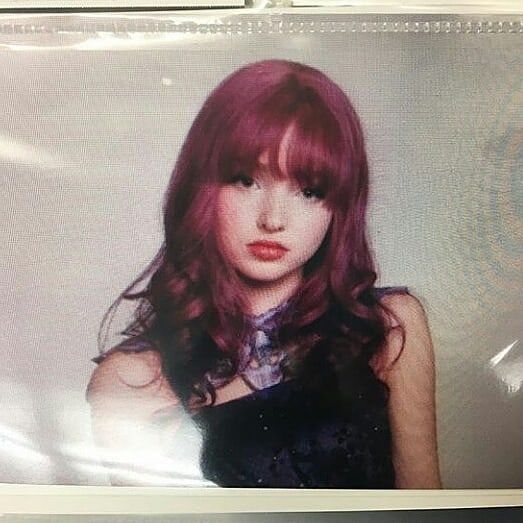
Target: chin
pixel 265 277
pixel 265 273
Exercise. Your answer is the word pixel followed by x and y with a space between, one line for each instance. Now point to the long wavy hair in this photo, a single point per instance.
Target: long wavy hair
pixel 191 310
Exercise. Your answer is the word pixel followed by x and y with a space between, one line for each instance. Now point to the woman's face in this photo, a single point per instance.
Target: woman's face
pixel 268 228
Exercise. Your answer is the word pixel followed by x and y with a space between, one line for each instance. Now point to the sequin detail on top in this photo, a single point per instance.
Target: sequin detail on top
pixel 259 363
pixel 291 437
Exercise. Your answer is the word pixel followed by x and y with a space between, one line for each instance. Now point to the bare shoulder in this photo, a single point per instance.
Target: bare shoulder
pixel 132 377
pixel 410 377
pixel 128 394
pixel 406 308
pixel 408 346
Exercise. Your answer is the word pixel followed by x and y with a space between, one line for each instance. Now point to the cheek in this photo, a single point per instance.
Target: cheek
pixel 230 219
pixel 315 228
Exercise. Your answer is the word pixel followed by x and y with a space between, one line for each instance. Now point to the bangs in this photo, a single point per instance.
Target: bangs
pixel 300 122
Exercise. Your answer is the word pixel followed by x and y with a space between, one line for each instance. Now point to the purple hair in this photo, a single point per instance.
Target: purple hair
pixel 191 309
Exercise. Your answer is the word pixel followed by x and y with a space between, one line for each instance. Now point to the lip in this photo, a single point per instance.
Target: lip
pixel 267 250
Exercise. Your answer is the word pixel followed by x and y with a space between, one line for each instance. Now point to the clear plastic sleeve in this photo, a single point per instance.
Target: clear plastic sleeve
pixel 95 110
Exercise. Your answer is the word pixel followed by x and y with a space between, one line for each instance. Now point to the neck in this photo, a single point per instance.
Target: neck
pixel 262 296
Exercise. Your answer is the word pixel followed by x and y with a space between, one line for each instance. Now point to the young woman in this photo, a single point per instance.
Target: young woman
pixel 260 319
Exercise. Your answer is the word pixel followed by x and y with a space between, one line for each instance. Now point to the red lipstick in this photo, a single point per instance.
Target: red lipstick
pixel 266 250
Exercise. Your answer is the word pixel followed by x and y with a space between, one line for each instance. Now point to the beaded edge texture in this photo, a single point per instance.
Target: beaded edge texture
pixel 271 25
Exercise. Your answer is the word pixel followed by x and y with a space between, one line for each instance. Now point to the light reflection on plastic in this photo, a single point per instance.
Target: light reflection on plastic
pixel 101 41
pixel 144 460
pixel 21 153
pixel 15 444
pixel 152 468
pixel 509 372
pixel 501 354
pixel 21 460
pixel 140 478
pixel 131 41
pixel 13 436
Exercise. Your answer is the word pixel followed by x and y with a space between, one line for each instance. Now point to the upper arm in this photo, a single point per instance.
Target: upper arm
pixel 409 373
pixel 125 393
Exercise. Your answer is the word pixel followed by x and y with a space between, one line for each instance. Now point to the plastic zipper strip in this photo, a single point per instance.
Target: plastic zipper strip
pixel 108 6
pixel 121 25
pixel 381 6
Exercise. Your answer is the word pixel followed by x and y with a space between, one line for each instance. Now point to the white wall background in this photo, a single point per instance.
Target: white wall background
pixel 87 142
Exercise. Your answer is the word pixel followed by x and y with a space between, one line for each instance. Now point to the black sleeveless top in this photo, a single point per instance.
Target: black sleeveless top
pixel 284 436
pixel 287 436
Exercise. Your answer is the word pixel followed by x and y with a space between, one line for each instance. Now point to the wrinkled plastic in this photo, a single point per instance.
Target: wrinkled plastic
pixel 95 108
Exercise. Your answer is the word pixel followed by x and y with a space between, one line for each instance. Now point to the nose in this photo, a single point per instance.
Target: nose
pixel 273 212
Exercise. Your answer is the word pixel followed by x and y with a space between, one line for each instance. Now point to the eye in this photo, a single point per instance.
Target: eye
pixel 243 180
pixel 312 194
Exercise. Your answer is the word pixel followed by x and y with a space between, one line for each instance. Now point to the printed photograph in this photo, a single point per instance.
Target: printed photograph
pixel 263 260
